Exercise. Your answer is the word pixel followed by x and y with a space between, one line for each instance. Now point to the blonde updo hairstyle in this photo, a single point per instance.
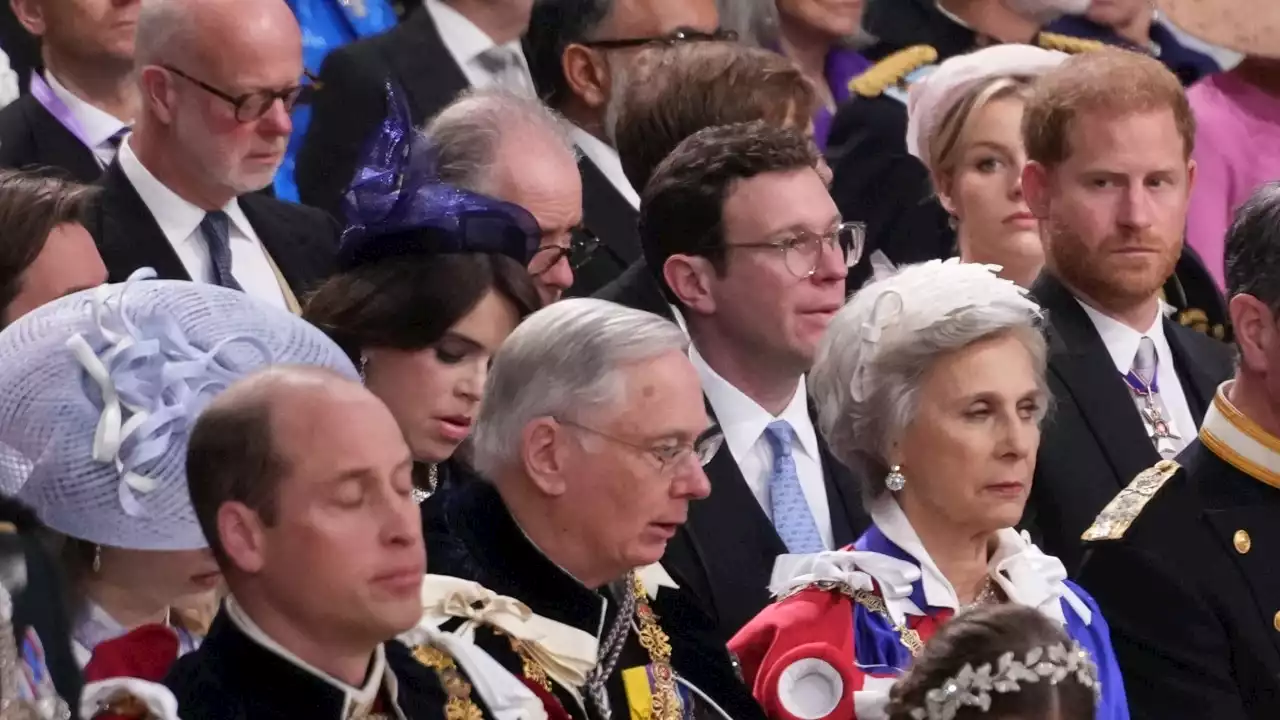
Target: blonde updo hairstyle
pixel 944 145
pixel 871 365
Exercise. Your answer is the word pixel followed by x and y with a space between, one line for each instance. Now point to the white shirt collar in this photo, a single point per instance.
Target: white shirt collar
pixel 362 697
pixel 743 421
pixel 606 161
pixel 177 218
pixel 96 124
pixel 1122 341
pixel 464 40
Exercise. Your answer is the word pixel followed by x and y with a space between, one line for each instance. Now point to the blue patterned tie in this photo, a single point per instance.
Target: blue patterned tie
pixel 791 515
pixel 216 228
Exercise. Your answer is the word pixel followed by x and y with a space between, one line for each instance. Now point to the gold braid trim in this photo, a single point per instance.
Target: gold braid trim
pixel 1068 44
pixel 529 667
pixel 892 70
pixel 666 701
pixel 460 705
pixel 910 638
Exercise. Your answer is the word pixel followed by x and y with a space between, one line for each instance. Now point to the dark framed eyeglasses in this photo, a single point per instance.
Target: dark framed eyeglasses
pixel 252 105
pixel 582 246
pixel 673 38
pixel 802 251
pixel 668 456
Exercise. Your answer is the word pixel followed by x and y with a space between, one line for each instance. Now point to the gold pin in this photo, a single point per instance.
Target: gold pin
pixel 1276 621
pixel 1242 541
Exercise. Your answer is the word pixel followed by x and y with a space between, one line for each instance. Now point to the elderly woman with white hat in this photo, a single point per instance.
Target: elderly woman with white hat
pixel 932 382
pixel 964 122
pixel 98 392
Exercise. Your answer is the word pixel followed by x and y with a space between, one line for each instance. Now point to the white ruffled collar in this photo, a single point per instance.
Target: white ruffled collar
pixel 1025 574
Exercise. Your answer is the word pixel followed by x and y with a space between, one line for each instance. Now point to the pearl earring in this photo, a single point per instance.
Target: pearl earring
pixel 895 480
pixel 363 362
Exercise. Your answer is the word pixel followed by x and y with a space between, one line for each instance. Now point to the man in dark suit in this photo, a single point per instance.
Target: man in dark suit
pixel 81 105
pixel 739 229
pixel 437 52
pixel 1180 561
pixel 181 197
pixel 581 54
pixel 1110 187
pixel 675 92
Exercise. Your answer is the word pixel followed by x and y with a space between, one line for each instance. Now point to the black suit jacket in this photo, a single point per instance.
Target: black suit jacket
pixel 1192 608
pixel 351 102
pixel 31 137
pixel 232 677
pixel 637 288
pixel 302 241
pixel 1094 442
pixel 606 213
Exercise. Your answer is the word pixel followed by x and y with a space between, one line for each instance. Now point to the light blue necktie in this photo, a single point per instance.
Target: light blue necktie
pixel 791 515
pixel 216 228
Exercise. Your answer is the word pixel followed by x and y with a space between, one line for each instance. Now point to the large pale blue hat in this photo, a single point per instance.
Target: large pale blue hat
pixel 99 391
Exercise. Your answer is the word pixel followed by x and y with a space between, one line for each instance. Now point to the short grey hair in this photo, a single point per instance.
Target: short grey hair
pixel 1252 255
pixel 862 426
pixel 468 132
pixel 163 26
pixel 567 360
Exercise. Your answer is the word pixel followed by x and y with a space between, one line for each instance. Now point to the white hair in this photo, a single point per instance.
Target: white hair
pixel 567 360
pixel 468 132
pixel 163 25
pixel 872 362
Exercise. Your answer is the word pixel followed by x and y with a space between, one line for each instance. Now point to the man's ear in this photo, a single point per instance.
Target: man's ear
pixel 690 279
pixel 543 452
pixel 157 92
pixel 1254 328
pixel 1035 188
pixel 30 14
pixel 241 532
pixel 586 76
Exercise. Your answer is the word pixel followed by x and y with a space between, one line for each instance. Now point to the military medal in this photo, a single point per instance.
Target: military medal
pixel 1158 428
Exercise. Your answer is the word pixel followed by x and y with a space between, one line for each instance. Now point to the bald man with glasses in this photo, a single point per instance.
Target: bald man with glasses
pixel 217 79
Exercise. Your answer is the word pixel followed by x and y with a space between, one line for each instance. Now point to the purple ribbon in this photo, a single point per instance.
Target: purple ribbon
pixel 58 109
pixel 1141 388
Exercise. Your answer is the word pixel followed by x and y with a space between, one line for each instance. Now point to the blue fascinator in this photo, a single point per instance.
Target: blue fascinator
pixel 396 204
pixel 99 392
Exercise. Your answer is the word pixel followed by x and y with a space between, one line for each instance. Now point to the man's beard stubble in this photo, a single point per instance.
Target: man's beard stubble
pixel 1098 276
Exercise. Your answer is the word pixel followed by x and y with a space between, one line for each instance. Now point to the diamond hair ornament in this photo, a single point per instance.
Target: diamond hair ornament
pixel 973 688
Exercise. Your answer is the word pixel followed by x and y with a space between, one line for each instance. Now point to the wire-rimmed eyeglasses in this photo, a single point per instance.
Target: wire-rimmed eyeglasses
pixel 673 38
pixel 668 455
pixel 582 246
pixel 252 105
pixel 802 251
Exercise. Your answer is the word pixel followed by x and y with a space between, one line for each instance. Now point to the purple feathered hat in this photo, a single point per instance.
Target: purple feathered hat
pixel 396 204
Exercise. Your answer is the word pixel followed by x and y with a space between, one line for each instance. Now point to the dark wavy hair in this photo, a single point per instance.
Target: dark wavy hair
pixel 409 302
pixel 980 636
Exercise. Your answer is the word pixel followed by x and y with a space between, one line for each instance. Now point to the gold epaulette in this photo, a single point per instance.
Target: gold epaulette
pixel 892 70
pixel 1068 44
pixel 1119 514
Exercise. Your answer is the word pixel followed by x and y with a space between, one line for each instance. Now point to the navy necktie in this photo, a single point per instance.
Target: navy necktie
pixel 216 228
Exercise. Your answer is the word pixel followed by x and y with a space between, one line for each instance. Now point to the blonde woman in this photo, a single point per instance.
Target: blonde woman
pixel 965 124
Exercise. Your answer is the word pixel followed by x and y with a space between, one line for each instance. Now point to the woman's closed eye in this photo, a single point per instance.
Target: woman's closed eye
pixel 1030 409
pixel 349 494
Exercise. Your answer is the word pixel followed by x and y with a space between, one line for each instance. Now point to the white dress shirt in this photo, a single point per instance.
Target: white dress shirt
pixel 743 423
pixel 97 125
pixel 357 702
pixel 607 161
pixel 1122 345
pixel 179 220
pixel 466 42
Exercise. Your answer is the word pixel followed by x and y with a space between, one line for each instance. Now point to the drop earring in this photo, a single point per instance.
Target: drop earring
pixel 895 480
pixel 363 362
pixel 97 558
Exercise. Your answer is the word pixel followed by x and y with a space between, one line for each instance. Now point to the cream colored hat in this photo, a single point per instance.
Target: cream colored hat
pixel 1251 27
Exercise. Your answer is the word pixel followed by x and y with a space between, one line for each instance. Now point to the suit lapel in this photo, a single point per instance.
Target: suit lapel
pixel 1198 383
pixel 282 241
pixel 611 217
pixel 422 65
pixel 128 235
pixel 844 498
pixel 57 147
pixel 1079 359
